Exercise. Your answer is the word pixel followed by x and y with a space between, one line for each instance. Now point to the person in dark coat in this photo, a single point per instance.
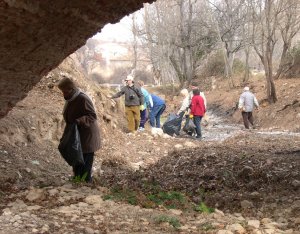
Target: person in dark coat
pixel 79 109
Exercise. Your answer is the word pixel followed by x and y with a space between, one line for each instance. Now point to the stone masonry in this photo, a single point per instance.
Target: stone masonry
pixel 35 36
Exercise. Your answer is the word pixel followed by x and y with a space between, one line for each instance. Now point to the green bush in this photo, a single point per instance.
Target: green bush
pixel 171 200
pixel 203 208
pixel 215 65
pixel 167 219
pixel 238 66
pixel 124 195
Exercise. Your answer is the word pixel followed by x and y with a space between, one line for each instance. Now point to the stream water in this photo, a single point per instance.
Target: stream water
pixel 215 128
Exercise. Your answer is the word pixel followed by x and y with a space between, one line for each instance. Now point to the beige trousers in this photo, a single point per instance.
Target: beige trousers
pixel 133 117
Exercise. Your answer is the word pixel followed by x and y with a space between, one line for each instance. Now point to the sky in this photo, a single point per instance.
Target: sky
pixel 119 31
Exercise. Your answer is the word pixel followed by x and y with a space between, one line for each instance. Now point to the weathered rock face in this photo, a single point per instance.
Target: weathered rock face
pixel 35 36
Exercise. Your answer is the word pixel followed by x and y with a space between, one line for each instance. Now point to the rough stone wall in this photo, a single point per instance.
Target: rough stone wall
pixel 35 36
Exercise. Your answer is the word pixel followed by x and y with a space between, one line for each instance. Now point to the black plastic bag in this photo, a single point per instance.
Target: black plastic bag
pixel 189 126
pixel 70 146
pixel 173 124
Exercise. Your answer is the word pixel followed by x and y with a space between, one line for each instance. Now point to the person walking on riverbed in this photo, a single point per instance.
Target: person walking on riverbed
pixel 247 102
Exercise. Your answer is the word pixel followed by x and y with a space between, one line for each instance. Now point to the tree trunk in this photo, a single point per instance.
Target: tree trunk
pixel 271 90
pixel 247 70
pixel 228 68
pixel 282 64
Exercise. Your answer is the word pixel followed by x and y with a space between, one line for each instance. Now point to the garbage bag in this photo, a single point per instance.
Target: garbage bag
pixel 189 126
pixel 173 124
pixel 70 145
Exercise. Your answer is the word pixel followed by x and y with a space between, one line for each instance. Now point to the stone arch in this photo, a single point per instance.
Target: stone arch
pixel 35 37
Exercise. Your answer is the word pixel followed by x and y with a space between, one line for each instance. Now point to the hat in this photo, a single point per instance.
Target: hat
pixel 129 77
pixel 246 88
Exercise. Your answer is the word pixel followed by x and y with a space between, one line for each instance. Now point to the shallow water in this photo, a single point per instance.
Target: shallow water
pixel 215 128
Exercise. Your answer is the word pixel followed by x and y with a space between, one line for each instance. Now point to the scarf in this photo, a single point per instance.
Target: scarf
pixel 75 95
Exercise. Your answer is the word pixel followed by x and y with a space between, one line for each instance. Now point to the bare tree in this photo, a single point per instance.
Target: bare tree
pixel 269 19
pixel 289 26
pixel 135 42
pixel 265 17
pixel 177 37
pixel 230 18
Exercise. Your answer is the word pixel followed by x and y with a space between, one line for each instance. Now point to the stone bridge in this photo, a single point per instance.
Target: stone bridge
pixel 36 35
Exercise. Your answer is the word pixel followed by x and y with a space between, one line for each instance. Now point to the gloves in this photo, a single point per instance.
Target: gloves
pixel 142 107
pixel 191 116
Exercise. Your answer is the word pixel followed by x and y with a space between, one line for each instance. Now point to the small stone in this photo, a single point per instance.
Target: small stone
pixel 255 194
pixel 82 204
pixel 297 221
pixel 296 183
pixel 245 204
pixel 269 231
pixel 236 228
pixel 93 199
pixel 178 146
pixel 53 192
pixel 266 220
pixel 36 194
pixel 27 170
pixel 88 230
pixel 190 144
pixel 35 207
pixel 224 232
pixel 254 223
pixel 219 212
pixel 175 212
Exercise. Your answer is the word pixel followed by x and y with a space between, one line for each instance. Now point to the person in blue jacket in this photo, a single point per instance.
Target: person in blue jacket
pixel 143 108
pixel 156 110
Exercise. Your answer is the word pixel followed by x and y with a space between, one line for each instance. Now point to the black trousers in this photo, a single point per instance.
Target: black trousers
pixel 86 168
pixel 247 118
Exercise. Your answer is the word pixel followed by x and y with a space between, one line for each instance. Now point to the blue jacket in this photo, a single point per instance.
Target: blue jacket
pixel 146 97
pixel 157 101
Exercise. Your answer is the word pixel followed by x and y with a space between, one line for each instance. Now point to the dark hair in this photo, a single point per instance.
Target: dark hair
pixel 194 83
pixel 196 91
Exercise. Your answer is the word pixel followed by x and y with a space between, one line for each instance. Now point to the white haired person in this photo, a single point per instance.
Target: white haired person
pixel 247 102
pixel 185 103
pixel 133 99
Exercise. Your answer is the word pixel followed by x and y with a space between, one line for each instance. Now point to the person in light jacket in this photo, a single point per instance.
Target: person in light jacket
pixel 133 99
pixel 79 109
pixel 247 102
pixel 143 108
pixel 185 103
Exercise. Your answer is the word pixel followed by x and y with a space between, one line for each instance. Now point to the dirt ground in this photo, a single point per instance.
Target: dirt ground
pixel 254 172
